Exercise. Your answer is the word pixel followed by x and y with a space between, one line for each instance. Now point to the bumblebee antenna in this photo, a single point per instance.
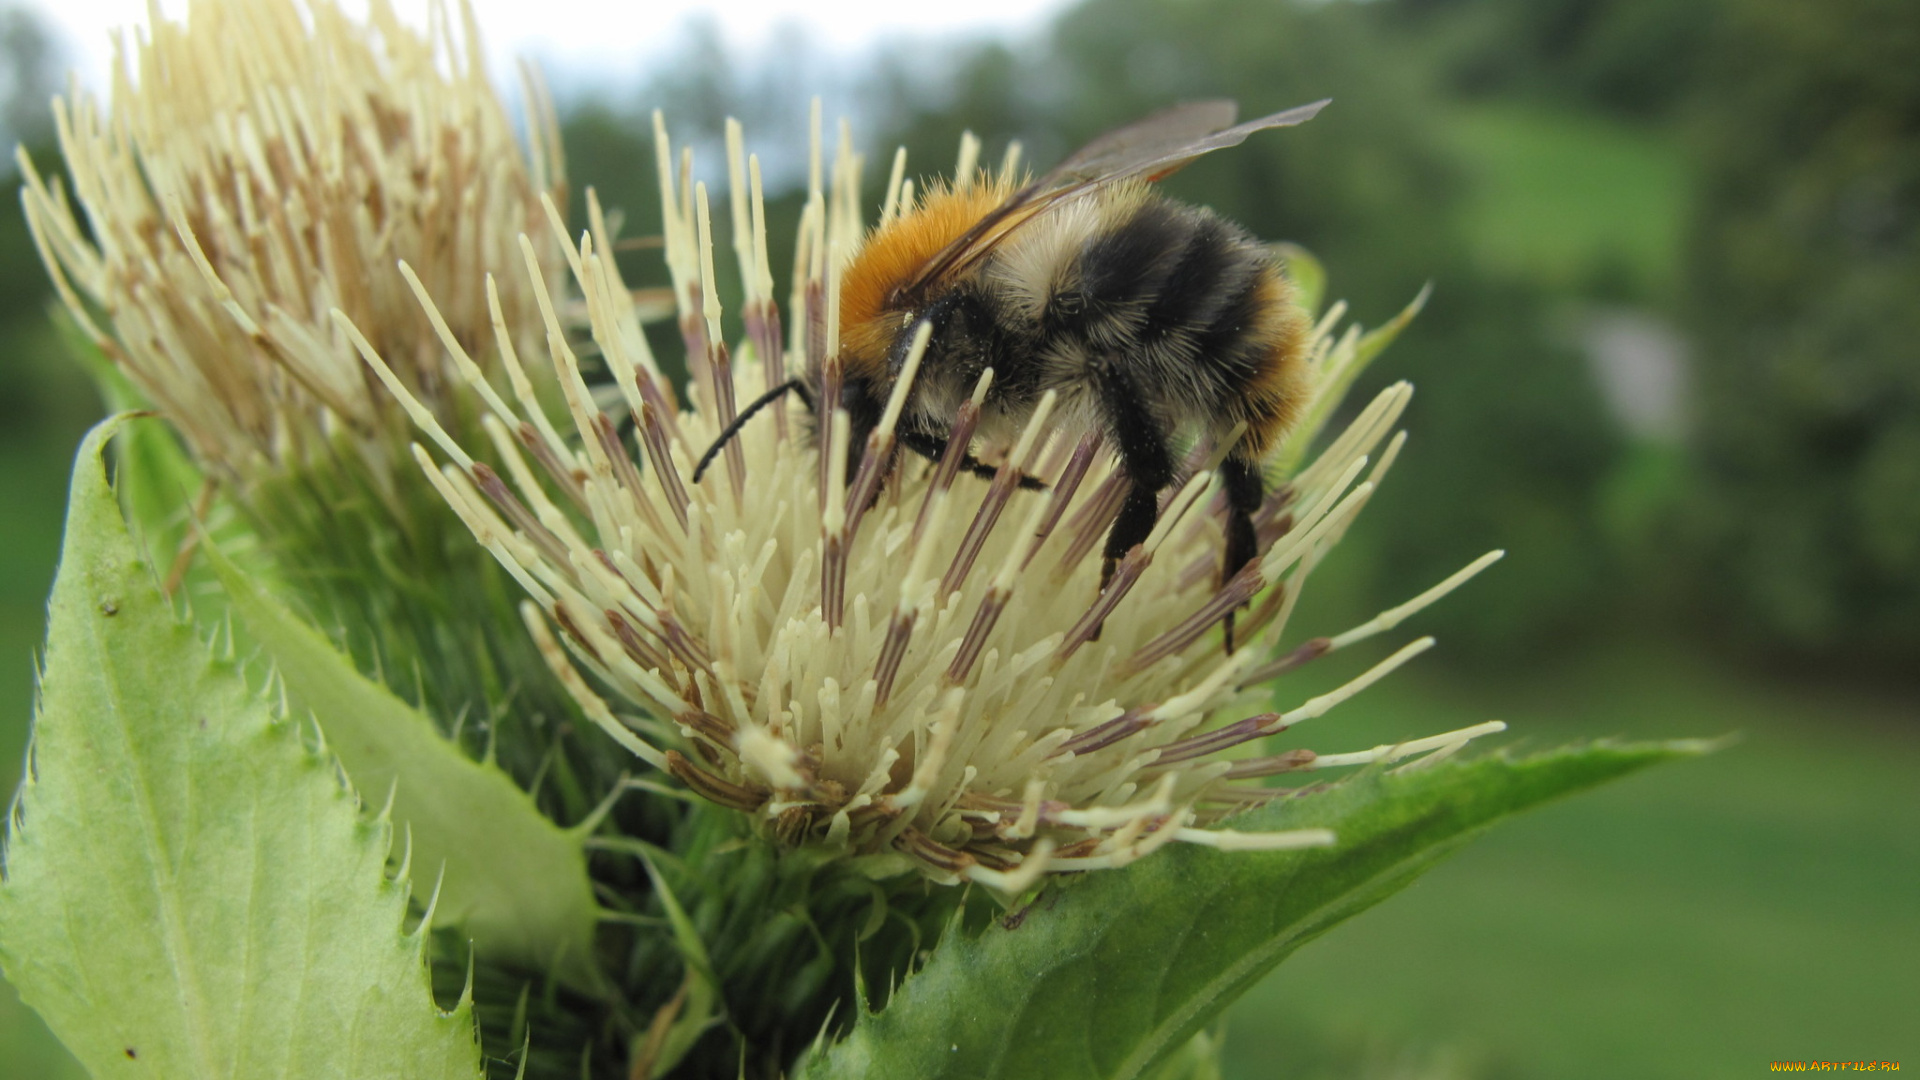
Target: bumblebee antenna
pixel 746 414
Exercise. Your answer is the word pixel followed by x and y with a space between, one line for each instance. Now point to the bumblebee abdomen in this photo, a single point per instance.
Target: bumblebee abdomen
pixel 1185 308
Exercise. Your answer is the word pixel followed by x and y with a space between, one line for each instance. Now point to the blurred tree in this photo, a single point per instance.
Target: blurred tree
pixel 23 281
pixel 1633 57
pixel 700 83
pixel 1806 304
pixel 30 66
pixel 993 88
pixel 43 395
pixel 611 151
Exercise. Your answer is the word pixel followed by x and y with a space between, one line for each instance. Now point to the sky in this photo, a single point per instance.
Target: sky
pixel 606 41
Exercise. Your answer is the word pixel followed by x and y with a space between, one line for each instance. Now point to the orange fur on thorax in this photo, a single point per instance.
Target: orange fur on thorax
pixel 890 256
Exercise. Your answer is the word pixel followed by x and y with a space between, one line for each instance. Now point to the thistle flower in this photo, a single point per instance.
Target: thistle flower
pixel 923 675
pixel 264 164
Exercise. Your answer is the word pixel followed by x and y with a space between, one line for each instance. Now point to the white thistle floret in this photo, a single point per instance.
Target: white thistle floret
pixel 917 674
pixel 263 164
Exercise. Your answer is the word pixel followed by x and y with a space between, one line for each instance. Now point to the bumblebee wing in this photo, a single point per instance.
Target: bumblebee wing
pixel 1164 132
pixel 1152 147
pixel 1163 143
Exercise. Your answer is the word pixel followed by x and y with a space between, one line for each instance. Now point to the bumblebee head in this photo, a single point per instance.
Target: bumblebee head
pixel 877 311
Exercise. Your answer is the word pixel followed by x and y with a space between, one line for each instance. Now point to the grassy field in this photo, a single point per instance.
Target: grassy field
pixel 1571 200
pixel 1697 921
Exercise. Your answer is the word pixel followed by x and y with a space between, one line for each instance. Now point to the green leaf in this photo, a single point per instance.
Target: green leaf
pixel 700 987
pixel 1375 341
pixel 160 487
pixel 190 890
pixel 1308 276
pixel 153 475
pixel 1197 1059
pixel 1120 970
pixel 1335 375
pixel 515 881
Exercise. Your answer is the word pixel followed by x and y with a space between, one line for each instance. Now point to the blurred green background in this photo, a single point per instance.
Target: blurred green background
pixel 1672 364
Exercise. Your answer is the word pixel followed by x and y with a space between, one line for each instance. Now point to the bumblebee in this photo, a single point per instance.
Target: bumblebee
pixel 1152 320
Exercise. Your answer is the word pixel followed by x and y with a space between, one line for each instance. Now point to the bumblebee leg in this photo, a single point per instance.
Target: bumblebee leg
pixel 1244 490
pixel 927 445
pixel 934 447
pixel 1133 526
pixel 1144 454
pixel 863 416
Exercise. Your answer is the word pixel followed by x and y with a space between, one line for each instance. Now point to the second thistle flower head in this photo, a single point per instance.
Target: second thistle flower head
pixel 933 673
pixel 263 164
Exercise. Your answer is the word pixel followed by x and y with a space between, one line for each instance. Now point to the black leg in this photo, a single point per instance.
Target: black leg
pixel 1244 490
pixel 934 447
pixel 1133 526
pixel 1144 454
pixel 863 405
pixel 862 427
